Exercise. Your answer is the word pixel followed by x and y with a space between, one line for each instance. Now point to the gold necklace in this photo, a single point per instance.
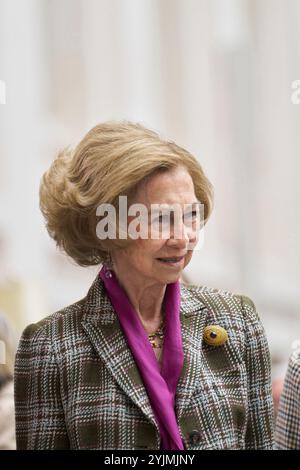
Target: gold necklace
pixel 158 333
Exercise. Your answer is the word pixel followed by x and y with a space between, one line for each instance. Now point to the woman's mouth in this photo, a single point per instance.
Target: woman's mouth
pixel 175 261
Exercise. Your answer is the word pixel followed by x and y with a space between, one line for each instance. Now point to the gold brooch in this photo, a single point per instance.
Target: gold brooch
pixel 215 335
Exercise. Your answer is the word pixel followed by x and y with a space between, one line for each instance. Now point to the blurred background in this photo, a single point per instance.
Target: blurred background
pixel 216 76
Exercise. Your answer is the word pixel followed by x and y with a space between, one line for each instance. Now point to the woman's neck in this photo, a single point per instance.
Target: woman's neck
pixel 145 296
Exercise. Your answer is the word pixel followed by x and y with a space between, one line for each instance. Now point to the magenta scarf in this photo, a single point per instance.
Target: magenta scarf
pixel 160 384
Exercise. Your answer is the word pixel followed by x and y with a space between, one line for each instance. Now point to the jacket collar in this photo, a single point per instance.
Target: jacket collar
pixel 98 308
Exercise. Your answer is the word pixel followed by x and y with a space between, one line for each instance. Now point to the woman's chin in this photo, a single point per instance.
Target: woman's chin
pixel 170 278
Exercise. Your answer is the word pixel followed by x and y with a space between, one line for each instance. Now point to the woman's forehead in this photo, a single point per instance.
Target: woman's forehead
pixel 169 200
pixel 167 191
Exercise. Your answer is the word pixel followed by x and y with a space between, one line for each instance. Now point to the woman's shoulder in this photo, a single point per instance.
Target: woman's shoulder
pixel 54 324
pixel 67 320
pixel 219 299
pixel 234 312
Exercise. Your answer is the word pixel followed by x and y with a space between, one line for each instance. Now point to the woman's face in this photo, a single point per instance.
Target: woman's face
pixel 146 259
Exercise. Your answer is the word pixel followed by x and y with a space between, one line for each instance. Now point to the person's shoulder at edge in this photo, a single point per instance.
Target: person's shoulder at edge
pixel 294 365
pixel 7 411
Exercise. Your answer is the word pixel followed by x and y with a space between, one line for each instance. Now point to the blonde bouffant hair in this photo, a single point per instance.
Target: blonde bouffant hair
pixel 111 160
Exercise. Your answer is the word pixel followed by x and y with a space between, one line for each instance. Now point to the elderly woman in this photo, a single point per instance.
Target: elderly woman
pixel 287 434
pixel 143 361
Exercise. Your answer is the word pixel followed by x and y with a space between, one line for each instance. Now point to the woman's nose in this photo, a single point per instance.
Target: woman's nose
pixel 180 238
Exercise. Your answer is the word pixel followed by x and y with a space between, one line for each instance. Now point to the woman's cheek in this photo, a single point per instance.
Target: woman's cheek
pixel 188 258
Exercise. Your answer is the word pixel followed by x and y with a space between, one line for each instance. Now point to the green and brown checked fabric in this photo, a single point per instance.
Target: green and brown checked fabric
pixel 77 385
pixel 287 435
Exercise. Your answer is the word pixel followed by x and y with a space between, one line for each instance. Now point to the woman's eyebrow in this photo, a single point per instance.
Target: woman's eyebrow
pixel 164 205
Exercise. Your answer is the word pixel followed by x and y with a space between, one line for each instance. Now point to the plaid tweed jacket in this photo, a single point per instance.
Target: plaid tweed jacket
pixel 287 435
pixel 77 385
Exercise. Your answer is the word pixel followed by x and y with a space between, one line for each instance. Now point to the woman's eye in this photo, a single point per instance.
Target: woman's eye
pixel 162 219
pixel 191 215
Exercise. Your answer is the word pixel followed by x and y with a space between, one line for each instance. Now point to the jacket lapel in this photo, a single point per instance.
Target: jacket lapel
pixel 102 326
pixel 193 314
